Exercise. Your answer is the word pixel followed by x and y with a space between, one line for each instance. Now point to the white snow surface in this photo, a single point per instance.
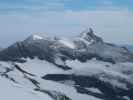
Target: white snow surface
pixel 39 67
pixel 67 43
pixel 24 89
pixel 10 91
pixel 105 71
pixel 37 37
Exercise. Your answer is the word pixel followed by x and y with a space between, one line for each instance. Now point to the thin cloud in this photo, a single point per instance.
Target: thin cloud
pixel 35 6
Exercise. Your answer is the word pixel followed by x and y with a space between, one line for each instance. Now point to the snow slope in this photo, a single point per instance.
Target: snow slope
pixel 30 85
pixel 26 79
pixel 10 91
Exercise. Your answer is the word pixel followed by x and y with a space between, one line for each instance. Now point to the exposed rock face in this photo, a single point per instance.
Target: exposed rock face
pixel 90 36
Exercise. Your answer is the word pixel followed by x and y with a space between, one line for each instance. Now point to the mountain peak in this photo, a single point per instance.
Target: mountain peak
pixel 38 37
pixel 89 35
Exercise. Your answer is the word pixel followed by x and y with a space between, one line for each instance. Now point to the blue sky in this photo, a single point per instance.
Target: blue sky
pixel 111 19
pixel 19 6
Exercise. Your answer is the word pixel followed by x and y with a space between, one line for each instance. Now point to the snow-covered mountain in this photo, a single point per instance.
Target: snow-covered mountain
pixel 83 47
pixel 51 68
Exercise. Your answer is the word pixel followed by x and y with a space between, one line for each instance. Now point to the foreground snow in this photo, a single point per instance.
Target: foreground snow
pixel 17 84
pixel 10 91
pixel 28 85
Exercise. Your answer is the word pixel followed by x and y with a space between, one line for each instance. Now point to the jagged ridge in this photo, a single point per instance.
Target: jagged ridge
pixel 84 47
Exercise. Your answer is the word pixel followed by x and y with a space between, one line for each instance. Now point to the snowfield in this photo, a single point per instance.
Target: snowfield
pixel 18 84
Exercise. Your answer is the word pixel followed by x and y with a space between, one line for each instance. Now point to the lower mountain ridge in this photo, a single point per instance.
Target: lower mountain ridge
pixel 51 68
